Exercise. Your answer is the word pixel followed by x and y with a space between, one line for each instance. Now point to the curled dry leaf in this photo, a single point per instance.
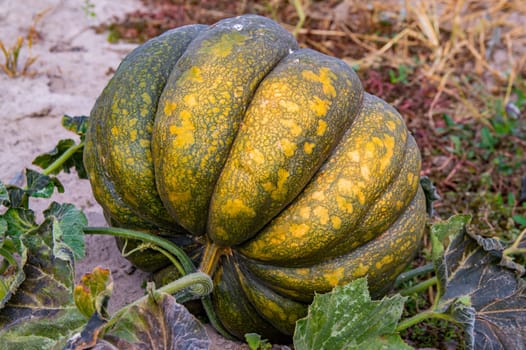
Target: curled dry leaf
pixel 483 292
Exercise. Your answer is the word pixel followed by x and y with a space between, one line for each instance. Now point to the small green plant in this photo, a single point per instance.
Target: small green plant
pixel 255 342
pixel 89 8
pixel 400 76
pixel 484 163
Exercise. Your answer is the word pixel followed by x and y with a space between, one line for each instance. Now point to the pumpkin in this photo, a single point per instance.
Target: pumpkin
pixel 270 156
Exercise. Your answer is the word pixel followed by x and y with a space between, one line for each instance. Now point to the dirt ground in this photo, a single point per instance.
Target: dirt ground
pixel 73 65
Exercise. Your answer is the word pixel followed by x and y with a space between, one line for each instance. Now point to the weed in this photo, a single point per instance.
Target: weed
pixel 89 8
pixel 401 76
pixel 255 342
pixel 11 56
pixel 11 65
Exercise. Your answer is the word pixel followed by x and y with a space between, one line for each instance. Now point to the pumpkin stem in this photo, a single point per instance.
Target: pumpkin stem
pixel 211 257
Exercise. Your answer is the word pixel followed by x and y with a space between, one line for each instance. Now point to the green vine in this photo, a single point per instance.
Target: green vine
pixel 171 248
pixel 185 261
pixel 515 247
pixel 420 287
pixel 202 280
pixel 424 315
pixel 62 159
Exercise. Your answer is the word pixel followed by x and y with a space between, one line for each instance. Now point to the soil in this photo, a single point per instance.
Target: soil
pixel 73 65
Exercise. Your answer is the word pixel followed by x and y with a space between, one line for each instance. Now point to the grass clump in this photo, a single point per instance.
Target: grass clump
pixel 12 65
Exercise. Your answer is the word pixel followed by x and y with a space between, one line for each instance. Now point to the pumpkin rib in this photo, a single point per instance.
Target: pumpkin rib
pixel 127 106
pixel 113 205
pixel 234 310
pixel 380 259
pixel 279 311
pixel 202 105
pixel 383 212
pixel 334 202
pixel 296 117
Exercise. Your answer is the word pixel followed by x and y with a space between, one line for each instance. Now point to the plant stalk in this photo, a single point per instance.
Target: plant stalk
pixel 417 288
pixel 60 160
pixel 196 278
pixel 514 248
pixel 406 276
pixel 421 317
pixel 211 257
pixel 185 261
pixel 214 252
pixel 301 17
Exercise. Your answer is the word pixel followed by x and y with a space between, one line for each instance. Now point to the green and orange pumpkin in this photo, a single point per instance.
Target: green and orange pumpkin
pixel 272 156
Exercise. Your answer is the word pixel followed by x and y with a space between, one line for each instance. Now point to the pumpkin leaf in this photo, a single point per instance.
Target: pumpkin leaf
pixel 11 271
pixel 12 275
pixel 347 318
pixel 440 232
pixel 42 313
pixel 93 291
pixel 18 221
pixel 451 227
pixel 78 125
pixel 157 322
pixel 92 296
pixel 74 161
pixel 37 185
pixel 40 185
pixel 4 195
pixel 67 229
pixel 13 223
pixel 430 192
pixel 483 292
pixel 16 196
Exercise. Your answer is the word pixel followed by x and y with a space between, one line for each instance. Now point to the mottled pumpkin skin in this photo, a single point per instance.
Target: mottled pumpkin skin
pixel 233 136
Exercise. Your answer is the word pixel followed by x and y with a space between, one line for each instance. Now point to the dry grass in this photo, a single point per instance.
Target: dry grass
pixel 448 40
pixel 11 66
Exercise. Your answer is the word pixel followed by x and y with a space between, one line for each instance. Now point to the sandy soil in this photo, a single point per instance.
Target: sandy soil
pixel 74 64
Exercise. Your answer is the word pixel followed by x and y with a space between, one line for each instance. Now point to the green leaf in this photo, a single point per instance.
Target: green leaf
pixel 67 228
pixel 255 342
pixel 451 227
pixel 484 293
pixel 4 196
pixel 16 197
pixel 74 161
pixel 18 221
pixel 66 154
pixel 487 139
pixel 431 193
pixel 347 318
pixel 521 220
pixel 13 275
pixel 3 230
pixel 78 125
pixel 40 185
pixel 13 223
pixel 439 233
pixel 93 292
pixel 42 314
